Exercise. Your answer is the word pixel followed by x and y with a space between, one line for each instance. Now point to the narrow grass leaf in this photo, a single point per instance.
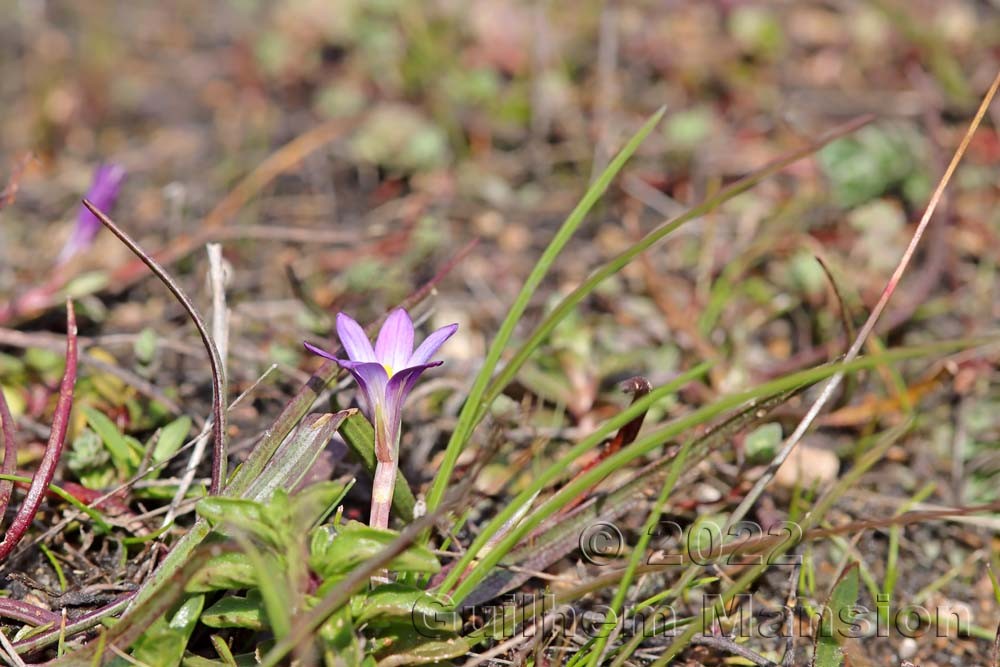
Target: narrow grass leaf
pixel 475 403
pixel 616 264
pixel 835 624
pixel 630 453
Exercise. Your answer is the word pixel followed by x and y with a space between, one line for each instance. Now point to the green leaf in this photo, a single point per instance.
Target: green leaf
pixel 229 571
pixel 275 585
pixel 86 283
pixel 124 458
pixel 172 437
pixel 295 456
pixel 145 346
pixel 403 646
pixel 163 644
pixel 312 504
pixel 394 602
pixel 837 621
pixel 337 550
pixel 246 515
pixel 762 442
pixel 338 641
pixel 236 612
pixel 89 460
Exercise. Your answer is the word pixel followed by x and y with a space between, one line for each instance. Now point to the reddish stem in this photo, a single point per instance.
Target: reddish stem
pixel 53 450
pixel 9 453
pixel 28 613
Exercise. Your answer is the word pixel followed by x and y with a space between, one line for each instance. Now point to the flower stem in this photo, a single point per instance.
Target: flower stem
pixel 384 483
pixel 382 488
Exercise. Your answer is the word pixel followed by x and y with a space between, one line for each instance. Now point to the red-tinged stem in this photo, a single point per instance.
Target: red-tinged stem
pixel 75 626
pixel 27 613
pixel 9 453
pixel 53 450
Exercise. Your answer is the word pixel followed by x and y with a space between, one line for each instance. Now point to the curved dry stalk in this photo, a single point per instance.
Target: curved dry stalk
pixel 53 450
pixel 218 377
pixel 831 385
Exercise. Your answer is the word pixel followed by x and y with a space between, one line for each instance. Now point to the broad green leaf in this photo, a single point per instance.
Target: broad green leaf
pixel 762 442
pixel 312 504
pixel 229 571
pixel 145 346
pixel 336 550
pixel 234 611
pixel 338 640
pixel 163 644
pixel 275 585
pixel 402 645
pixel 245 515
pixel 394 602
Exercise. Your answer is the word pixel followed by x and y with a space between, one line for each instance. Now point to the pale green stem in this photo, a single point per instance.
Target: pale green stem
pixel 386 448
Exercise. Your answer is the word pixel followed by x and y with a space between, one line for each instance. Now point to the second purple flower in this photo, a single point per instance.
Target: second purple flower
pixel 103 193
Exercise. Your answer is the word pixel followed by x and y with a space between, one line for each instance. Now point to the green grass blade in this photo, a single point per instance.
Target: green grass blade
pixel 553 472
pixel 622 259
pixel 475 405
pixel 834 625
pixel 94 514
pixel 634 451
pixel 637 555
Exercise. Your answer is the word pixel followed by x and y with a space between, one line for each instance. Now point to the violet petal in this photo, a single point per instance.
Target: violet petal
pixel 371 378
pixel 395 341
pixel 398 388
pixel 320 351
pixel 431 344
pixel 103 194
pixel 354 339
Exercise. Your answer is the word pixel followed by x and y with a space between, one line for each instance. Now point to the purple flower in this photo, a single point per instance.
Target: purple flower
pixel 103 193
pixel 386 374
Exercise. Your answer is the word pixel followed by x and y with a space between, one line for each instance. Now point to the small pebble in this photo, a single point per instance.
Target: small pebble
pixel 907 648
pixel 807 465
pixel 706 494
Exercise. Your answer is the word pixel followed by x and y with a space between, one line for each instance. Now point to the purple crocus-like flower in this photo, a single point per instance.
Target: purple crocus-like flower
pixel 103 193
pixel 386 374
